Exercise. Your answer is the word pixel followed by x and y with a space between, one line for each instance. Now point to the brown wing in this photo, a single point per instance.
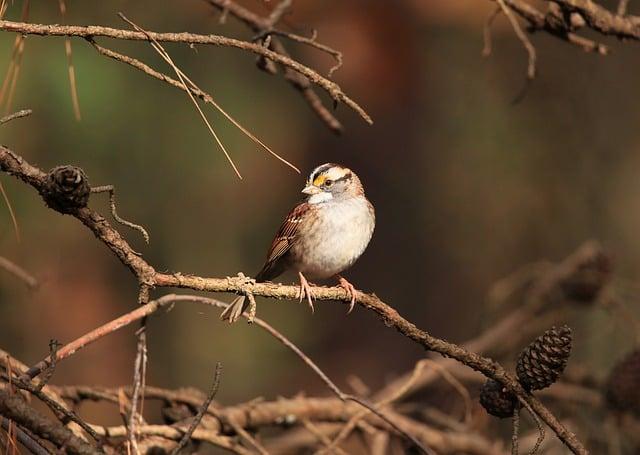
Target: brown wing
pixel 282 242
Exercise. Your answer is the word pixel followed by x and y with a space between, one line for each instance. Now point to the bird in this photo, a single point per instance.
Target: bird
pixel 321 236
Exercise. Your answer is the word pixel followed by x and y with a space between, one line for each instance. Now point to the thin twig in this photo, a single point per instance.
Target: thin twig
pixel 18 272
pixel 203 409
pixel 139 365
pixel 515 420
pixel 299 82
pixel 47 374
pixel 91 31
pixel 15 115
pixel 531 69
pixel 309 41
pixel 536 419
pixel 112 201
pixel 486 32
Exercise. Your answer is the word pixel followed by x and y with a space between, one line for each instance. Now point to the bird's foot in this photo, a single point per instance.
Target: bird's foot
pixel 305 291
pixel 351 292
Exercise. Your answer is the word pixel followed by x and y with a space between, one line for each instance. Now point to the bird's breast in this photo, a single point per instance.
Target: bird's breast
pixel 335 238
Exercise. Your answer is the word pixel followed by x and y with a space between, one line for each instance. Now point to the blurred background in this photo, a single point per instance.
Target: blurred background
pixel 468 185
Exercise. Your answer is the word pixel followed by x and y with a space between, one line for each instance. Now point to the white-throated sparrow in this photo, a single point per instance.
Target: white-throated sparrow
pixel 322 236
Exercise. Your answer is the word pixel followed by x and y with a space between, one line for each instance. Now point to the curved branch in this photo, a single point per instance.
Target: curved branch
pixel 146 274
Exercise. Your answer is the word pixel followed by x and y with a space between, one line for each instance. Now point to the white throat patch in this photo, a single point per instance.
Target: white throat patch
pixel 320 197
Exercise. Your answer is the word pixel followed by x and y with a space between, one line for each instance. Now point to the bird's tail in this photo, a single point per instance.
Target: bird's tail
pixel 235 309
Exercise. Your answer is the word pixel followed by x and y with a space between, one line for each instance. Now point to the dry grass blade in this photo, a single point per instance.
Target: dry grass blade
pixel 195 90
pixel 165 56
pixel 70 67
pixel 14 220
pixel 18 272
pixel 191 87
pixel 11 78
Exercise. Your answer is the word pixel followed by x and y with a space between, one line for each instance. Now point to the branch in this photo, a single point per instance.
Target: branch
pixel 13 407
pixel 260 25
pixel 92 31
pixel 264 414
pixel 146 274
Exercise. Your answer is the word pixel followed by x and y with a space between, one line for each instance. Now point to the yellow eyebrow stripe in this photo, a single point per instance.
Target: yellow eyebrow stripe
pixel 319 180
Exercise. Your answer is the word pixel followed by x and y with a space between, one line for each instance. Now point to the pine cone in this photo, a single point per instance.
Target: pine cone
pixel 543 361
pixel 623 385
pixel 496 400
pixel 67 188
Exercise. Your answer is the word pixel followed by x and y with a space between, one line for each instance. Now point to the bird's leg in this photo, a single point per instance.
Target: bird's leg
pixel 351 291
pixel 305 290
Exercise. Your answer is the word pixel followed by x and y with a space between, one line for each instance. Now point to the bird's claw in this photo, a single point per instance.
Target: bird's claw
pixel 305 291
pixel 351 292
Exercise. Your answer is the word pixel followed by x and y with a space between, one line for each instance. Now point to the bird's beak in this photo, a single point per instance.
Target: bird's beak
pixel 310 189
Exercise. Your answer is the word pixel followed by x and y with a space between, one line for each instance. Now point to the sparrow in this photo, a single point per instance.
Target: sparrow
pixel 321 236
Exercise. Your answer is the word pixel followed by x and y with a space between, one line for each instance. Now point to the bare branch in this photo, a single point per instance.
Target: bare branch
pixel 112 202
pixel 15 115
pixel 13 407
pixel 146 274
pixel 531 69
pixel 92 31
pixel 258 25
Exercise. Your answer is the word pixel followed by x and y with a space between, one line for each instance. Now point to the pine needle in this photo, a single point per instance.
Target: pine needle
pixel 70 67
pixel 16 229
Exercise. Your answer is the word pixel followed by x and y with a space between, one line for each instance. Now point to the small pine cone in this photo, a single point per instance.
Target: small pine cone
pixel 623 385
pixel 67 188
pixel 496 400
pixel 543 361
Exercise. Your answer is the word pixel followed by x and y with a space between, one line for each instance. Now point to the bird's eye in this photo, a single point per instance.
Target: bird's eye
pixel 328 182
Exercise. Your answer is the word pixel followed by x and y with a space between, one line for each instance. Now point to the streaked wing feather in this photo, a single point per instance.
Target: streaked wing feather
pixel 285 236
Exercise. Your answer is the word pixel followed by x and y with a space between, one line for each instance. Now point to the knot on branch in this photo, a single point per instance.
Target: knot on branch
pixel 542 362
pixel 497 400
pixel 66 189
pixel 623 385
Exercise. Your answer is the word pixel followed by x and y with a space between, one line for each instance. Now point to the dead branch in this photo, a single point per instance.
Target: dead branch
pixel 15 115
pixel 255 415
pixel 93 31
pixel 13 407
pixel 146 275
pixel 260 25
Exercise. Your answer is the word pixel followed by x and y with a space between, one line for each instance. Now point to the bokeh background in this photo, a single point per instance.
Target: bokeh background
pixel 467 184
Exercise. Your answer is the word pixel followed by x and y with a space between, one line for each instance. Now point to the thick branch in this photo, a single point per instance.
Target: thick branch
pixel 13 407
pixel 18 167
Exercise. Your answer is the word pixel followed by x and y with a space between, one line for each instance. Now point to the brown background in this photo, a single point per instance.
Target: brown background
pixel 467 185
